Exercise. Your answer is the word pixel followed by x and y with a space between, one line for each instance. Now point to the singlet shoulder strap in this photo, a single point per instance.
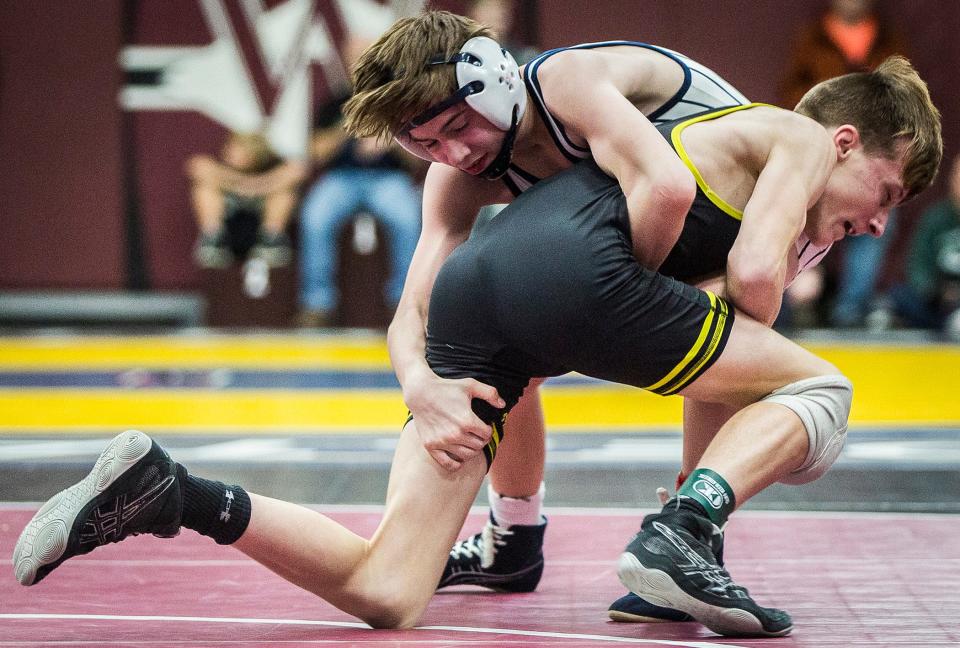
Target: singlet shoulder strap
pixel 675 133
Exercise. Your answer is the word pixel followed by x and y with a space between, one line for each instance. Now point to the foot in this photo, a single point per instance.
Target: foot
pixel 630 608
pixel 213 251
pixel 313 319
pixel 274 249
pixel 133 488
pixel 671 563
pixel 504 559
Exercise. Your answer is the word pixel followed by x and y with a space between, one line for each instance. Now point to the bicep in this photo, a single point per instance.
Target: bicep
pixel 623 141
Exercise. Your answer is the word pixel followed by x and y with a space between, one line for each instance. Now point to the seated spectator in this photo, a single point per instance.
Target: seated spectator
pixel 930 297
pixel 248 182
pixel 358 175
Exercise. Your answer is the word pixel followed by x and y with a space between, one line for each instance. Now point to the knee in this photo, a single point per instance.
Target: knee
pixel 823 405
pixel 393 610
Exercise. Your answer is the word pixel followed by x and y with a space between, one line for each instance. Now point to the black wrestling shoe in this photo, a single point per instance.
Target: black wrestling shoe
pixel 133 488
pixel 630 608
pixel 504 559
pixel 671 563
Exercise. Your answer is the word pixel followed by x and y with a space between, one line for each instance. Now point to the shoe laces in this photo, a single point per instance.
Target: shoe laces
pixel 482 545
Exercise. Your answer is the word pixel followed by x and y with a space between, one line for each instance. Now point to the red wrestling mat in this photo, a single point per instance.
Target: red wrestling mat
pixel 847 579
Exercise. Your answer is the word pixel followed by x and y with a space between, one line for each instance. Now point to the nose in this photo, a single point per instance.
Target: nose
pixel 877 225
pixel 455 153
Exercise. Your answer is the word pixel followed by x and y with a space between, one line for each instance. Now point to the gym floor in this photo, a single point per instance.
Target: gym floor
pixel 864 556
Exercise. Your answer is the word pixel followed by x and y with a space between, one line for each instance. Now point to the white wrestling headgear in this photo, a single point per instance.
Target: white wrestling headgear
pixel 482 59
pixel 489 81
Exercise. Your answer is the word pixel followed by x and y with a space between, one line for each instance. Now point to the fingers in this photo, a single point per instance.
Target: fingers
pixel 487 393
pixel 452 461
pixel 663 495
pixel 447 461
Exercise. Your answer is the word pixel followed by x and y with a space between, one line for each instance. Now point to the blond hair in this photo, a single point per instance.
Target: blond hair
pixel 257 146
pixel 887 106
pixel 393 80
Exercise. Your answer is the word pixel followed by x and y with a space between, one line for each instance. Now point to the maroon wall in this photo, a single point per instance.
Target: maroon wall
pixel 60 199
pixel 61 168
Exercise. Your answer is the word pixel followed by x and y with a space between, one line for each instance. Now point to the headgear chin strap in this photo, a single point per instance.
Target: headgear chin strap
pixel 499 165
pixel 490 83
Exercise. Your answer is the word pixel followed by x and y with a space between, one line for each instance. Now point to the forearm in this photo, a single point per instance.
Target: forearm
pixel 406 342
pixel 760 299
pixel 227 179
pixel 657 211
pixel 284 178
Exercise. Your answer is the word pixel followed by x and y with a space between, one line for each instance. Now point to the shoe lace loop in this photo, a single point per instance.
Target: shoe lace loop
pixel 482 545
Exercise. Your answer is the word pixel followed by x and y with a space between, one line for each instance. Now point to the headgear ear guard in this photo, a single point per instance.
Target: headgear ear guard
pixel 494 78
pixel 490 83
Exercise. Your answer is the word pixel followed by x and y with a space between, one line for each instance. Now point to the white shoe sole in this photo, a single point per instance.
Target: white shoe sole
pixel 44 539
pixel 658 588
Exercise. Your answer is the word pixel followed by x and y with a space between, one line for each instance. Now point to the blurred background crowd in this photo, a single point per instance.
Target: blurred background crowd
pixel 183 161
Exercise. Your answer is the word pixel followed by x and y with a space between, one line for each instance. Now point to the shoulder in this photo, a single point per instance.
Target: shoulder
pixel 788 129
pixel 452 196
pixel 574 65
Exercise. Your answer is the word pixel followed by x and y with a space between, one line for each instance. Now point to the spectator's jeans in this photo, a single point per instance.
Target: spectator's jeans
pixel 389 196
pixel 915 310
pixel 862 262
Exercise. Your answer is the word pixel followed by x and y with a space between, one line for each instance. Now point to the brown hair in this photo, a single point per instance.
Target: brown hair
pixel 887 106
pixel 393 81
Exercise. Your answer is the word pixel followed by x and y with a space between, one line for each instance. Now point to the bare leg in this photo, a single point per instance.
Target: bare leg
pixel 208 206
pixel 763 442
pixel 388 580
pixel 701 422
pixel 277 208
pixel 518 468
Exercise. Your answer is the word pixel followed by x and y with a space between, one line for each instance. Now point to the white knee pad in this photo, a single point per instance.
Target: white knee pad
pixel 823 404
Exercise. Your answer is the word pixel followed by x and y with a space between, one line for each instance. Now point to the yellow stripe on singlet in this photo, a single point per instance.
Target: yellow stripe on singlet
pixel 710 351
pixel 682 152
pixel 694 350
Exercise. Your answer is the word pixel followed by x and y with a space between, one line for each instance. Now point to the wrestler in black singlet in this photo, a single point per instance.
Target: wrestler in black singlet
pixel 551 285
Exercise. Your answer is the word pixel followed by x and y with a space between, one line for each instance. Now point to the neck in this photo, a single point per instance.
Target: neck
pixel 525 130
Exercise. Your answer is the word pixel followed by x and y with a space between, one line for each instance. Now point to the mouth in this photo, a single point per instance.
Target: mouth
pixel 477 166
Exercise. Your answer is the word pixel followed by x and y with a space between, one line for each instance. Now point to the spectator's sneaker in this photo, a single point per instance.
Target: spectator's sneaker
pixel 633 609
pixel 671 563
pixel 313 319
pixel 505 559
pixel 274 249
pixel 213 251
pixel 133 488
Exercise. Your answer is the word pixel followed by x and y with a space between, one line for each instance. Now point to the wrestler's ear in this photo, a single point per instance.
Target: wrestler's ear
pixel 846 139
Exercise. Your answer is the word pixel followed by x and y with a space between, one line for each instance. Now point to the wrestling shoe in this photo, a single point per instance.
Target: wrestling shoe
pixel 671 563
pixel 504 559
pixel 133 488
pixel 630 608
